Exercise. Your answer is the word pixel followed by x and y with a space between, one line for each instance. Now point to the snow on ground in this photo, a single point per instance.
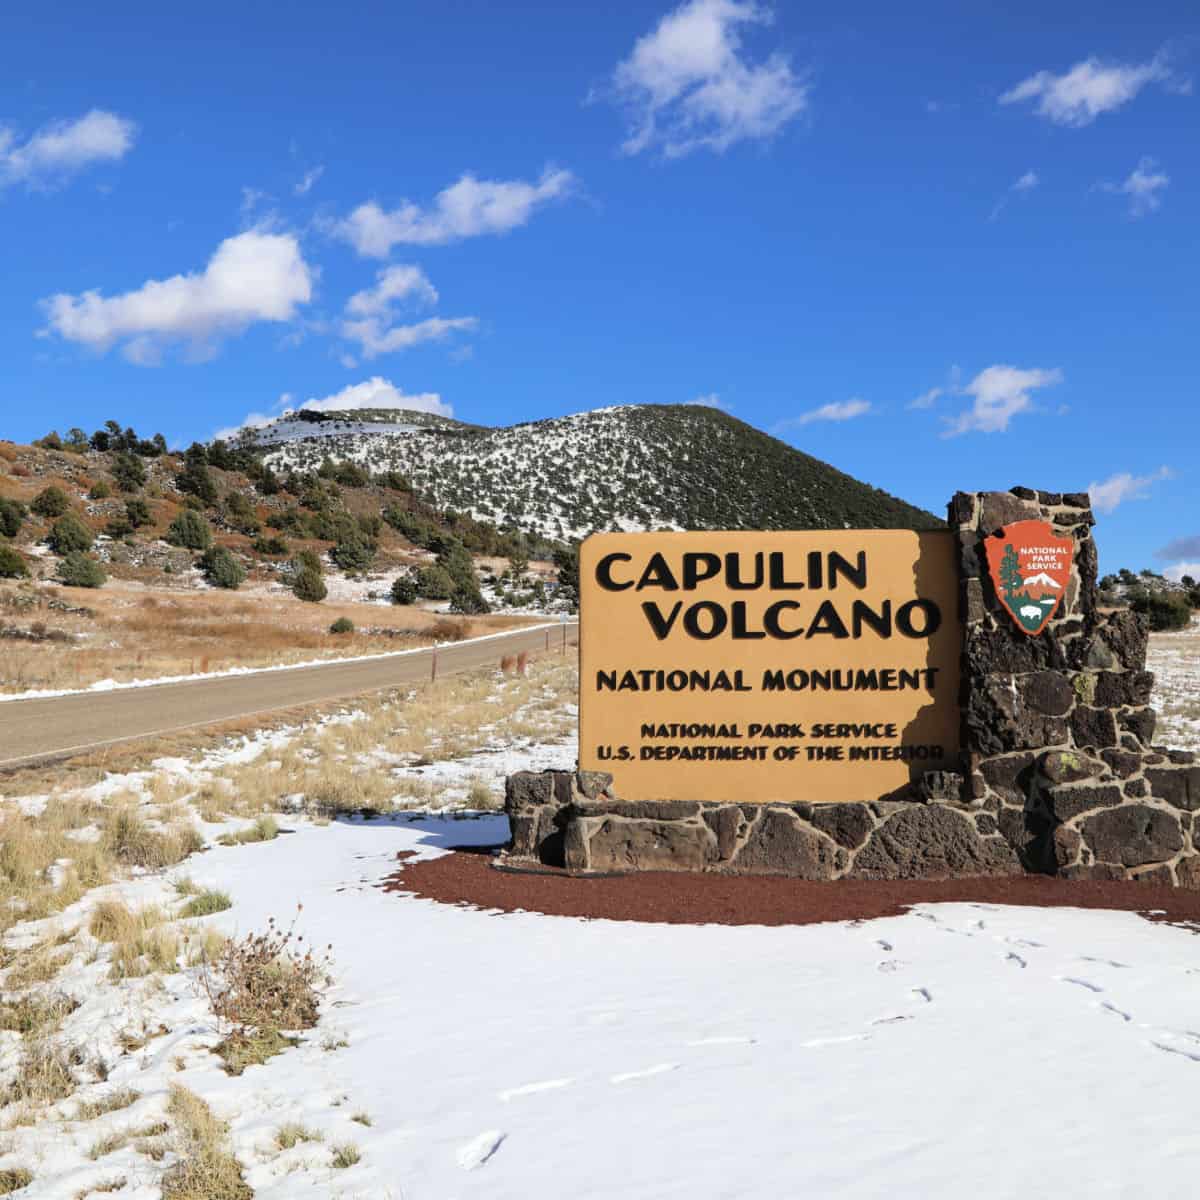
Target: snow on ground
pixel 499 1056
pixel 1173 657
pixel 958 1049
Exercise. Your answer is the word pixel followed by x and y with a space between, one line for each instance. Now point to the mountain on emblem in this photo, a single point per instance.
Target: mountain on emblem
pixel 1030 567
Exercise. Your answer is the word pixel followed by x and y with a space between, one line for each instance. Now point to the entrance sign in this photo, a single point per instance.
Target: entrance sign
pixel 1030 566
pixel 768 666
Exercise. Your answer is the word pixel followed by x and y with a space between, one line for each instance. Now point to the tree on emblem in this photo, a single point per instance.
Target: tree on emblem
pixel 1010 573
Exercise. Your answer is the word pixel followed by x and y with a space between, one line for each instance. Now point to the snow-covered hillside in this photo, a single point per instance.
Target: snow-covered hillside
pixel 629 467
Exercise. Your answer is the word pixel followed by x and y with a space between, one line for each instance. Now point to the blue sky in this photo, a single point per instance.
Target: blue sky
pixel 944 247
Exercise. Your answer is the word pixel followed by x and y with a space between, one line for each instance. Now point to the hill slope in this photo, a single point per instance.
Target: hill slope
pixel 631 467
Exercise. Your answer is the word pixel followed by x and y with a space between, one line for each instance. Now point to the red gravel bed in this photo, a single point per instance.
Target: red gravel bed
pixel 468 877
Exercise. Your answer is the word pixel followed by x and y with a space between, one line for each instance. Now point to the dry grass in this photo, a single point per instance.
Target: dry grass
pixel 89 1110
pixel 292 1134
pixel 205 904
pixel 345 1155
pixel 345 766
pixel 44 1076
pixel 141 632
pixel 12 1179
pixel 206 1169
pixel 141 944
pixel 36 1013
pixel 133 843
pixel 120 1138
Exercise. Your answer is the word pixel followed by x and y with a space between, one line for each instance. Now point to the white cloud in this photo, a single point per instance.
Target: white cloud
pixel 1177 571
pixel 375 392
pixel 1089 88
pixel 371 313
pixel 926 399
pixel 712 400
pixel 1108 494
pixel 841 410
pixel 306 184
pixel 1026 183
pixel 1142 187
pixel 393 283
pixel 376 337
pixel 250 278
pixel 686 86
pixel 1000 393
pixel 64 147
pixel 378 392
pixel 469 208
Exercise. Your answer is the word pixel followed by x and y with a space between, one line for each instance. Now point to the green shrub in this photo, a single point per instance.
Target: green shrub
pixel 137 512
pixel 308 560
pixel 272 547
pixel 195 480
pixel 118 527
pixel 78 570
pixel 342 625
pixel 434 583
pixel 468 600
pixel 100 490
pixel 353 551
pixel 12 565
pixel 12 517
pixel 404 590
pixel 1165 610
pixel 69 534
pixel 308 585
pixel 221 569
pixel 50 502
pixel 129 472
pixel 189 529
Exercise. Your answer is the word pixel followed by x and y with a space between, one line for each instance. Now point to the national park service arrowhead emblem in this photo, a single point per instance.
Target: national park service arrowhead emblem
pixel 1030 566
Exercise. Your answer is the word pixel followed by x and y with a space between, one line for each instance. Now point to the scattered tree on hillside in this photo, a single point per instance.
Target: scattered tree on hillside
pixel 69 534
pixel 189 529
pixel 12 517
pixel 222 569
pixel 12 565
pixel 128 471
pixel 78 570
pixel 50 502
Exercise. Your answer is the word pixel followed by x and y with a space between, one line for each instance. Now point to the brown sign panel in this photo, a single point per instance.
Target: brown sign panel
pixel 768 666
pixel 1031 567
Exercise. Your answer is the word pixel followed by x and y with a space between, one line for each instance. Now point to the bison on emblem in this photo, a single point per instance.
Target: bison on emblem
pixel 1030 567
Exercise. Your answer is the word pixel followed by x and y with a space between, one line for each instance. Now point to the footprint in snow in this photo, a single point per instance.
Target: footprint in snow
pixel 1106 962
pixel 658 1069
pixel 814 1043
pixel 530 1089
pixel 889 965
pixel 892 1020
pixel 723 1041
pixel 1027 942
pixel 884 945
pixel 1112 1008
pixel 1183 1051
pixel 1083 983
pixel 1013 957
pixel 924 993
pixel 479 1149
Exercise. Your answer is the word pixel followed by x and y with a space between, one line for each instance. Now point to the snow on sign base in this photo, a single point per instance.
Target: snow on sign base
pixel 1030 567
pixel 768 666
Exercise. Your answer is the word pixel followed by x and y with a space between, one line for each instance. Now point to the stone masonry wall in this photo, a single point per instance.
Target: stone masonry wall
pixel 1058 772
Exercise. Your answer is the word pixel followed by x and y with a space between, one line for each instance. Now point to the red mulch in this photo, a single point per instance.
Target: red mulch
pixel 678 898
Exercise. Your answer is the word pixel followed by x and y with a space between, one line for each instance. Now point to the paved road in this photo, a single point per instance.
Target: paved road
pixel 39 730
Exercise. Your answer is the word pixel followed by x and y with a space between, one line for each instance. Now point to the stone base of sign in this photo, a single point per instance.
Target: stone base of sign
pixel 1058 773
